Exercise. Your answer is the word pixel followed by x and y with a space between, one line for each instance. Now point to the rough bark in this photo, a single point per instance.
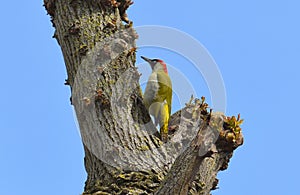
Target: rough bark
pixel 123 154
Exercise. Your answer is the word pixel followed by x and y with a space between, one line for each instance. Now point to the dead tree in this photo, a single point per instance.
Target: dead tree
pixel 123 153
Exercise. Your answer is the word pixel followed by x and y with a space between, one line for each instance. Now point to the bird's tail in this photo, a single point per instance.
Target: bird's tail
pixel 164 123
pixel 164 133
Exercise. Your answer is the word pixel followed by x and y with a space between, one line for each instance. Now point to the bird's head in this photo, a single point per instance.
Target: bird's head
pixel 156 64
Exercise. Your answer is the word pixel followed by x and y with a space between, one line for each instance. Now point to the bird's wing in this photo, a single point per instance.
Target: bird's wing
pixel 165 89
pixel 159 105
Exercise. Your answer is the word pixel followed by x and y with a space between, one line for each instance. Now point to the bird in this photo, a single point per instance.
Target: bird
pixel 158 95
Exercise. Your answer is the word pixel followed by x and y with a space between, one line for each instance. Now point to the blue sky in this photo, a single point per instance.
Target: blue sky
pixel 255 43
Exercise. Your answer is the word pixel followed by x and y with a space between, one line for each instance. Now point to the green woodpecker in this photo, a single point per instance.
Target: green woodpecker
pixel 158 95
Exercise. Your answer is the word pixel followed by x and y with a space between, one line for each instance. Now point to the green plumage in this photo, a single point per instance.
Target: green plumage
pixel 158 100
pixel 158 95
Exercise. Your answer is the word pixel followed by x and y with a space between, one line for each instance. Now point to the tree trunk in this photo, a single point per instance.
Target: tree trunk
pixel 123 153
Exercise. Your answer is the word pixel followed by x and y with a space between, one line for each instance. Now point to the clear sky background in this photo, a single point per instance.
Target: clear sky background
pixel 256 45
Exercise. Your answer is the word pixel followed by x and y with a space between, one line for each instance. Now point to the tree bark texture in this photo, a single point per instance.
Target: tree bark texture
pixel 123 153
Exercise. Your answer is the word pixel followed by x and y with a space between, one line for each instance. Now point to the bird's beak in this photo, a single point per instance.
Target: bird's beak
pixel 146 59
